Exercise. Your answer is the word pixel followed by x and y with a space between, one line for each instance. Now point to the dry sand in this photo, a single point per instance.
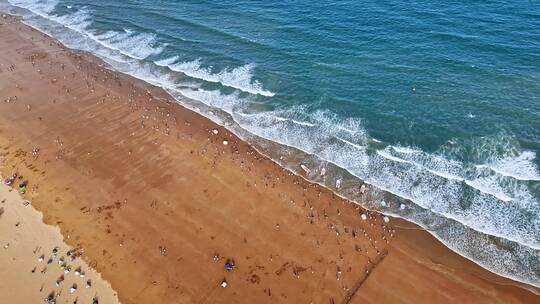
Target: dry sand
pixel 158 203
pixel 27 246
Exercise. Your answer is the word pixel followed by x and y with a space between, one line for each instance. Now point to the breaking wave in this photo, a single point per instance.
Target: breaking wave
pixel 240 78
pixel 144 45
pixel 474 196
pixel 465 205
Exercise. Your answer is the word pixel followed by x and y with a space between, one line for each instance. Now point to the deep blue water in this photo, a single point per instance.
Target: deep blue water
pixel 435 102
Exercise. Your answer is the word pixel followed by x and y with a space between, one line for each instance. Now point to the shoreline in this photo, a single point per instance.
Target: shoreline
pixel 215 144
pixel 375 193
pixel 36 251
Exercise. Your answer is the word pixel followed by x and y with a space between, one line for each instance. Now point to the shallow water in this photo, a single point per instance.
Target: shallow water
pixel 437 106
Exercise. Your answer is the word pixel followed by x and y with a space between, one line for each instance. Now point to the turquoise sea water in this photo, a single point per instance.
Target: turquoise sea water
pixel 435 104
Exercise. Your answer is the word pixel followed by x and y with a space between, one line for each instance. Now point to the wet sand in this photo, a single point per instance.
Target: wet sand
pixel 159 203
pixel 35 258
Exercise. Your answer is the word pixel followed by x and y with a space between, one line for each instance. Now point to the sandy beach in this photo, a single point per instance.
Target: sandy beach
pixel 169 207
pixel 37 265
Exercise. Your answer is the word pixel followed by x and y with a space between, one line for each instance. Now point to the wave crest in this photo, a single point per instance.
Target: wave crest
pixel 240 78
pixel 465 193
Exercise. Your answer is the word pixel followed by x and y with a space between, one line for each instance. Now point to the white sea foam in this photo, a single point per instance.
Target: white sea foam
pixel 240 78
pixel 434 164
pixel 446 175
pixel 297 122
pixel 418 163
pixel 167 61
pixel 498 202
pixel 431 181
pixel 137 46
pixel 347 130
pixel 486 186
pixel 520 167
pixel 77 21
pixel 41 7
pixel 134 45
pixel 389 156
pixel 357 146
pixel 214 99
pixel 406 150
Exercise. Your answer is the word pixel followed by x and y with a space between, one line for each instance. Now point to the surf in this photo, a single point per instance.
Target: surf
pixel 498 202
pixel 240 78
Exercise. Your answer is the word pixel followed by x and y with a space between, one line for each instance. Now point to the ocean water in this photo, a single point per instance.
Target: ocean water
pixel 435 105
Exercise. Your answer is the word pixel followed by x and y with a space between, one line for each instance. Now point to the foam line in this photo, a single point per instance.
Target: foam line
pixel 240 78
pixel 498 201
